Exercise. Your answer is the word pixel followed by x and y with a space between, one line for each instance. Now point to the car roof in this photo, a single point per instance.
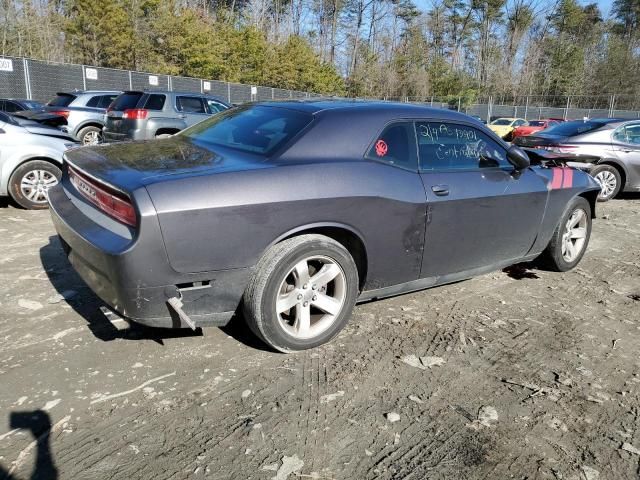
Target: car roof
pixel 88 92
pixel 377 107
pixel 19 100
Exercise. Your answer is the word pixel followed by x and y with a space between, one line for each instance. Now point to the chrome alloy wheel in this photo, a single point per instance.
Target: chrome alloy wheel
pixel 311 297
pixel 91 138
pixel 608 183
pixel 35 184
pixel 575 235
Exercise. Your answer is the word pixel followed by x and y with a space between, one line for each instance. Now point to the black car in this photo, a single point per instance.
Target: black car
pixel 13 105
pixel 291 212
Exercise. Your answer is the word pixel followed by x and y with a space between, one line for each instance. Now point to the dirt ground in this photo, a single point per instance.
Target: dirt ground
pixel 516 374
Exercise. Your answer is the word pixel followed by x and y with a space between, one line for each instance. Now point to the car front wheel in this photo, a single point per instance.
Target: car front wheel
pixel 609 179
pixel 31 181
pixel 302 293
pixel 571 237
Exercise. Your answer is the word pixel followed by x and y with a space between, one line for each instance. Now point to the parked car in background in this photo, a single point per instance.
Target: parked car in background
pixel 277 208
pixel 533 126
pixel 615 142
pixel 503 127
pixel 84 112
pixel 137 115
pixel 12 105
pixel 30 160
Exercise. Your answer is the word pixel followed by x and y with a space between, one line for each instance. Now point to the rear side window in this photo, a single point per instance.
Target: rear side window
pixel 450 146
pixel 190 105
pixel 61 100
pixel 126 101
pixel 11 107
pixel 569 129
pixel 253 129
pixel 94 101
pixel 155 102
pixel 105 100
pixel 396 146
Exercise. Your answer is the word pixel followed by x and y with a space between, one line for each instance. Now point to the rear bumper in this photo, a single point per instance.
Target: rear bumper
pixel 132 276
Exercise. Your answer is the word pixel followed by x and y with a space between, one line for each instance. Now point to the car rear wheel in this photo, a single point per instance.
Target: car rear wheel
pixel 571 237
pixel 302 293
pixel 609 179
pixel 30 182
pixel 90 135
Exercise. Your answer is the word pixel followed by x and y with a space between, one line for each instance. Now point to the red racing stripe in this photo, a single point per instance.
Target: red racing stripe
pixel 567 180
pixel 556 181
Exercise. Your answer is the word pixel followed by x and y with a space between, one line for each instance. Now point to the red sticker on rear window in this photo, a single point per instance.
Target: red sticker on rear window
pixel 381 148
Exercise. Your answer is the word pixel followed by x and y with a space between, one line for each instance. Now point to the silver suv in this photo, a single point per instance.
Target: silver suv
pixel 136 115
pixel 84 111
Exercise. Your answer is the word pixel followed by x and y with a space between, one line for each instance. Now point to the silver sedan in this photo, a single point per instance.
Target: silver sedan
pixel 30 160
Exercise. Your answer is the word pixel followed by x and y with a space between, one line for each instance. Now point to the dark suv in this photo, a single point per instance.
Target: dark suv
pixel 139 115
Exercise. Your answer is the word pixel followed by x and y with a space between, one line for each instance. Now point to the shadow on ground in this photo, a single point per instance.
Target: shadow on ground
pixel 520 271
pixel 38 423
pixel 86 304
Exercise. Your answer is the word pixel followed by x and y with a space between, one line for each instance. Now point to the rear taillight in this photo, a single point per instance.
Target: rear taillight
pixel 112 202
pixel 563 148
pixel 61 113
pixel 135 114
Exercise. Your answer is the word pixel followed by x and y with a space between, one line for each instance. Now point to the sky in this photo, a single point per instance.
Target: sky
pixel 605 5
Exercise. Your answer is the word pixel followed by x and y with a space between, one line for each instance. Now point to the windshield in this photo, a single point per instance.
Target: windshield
pixel 254 129
pixel 61 100
pixel 569 129
pixel 502 121
pixel 536 123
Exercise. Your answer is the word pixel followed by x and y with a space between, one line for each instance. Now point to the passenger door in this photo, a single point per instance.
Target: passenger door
pixel 626 145
pixel 192 109
pixel 480 212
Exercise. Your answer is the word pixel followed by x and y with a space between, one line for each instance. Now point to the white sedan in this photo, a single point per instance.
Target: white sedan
pixel 30 160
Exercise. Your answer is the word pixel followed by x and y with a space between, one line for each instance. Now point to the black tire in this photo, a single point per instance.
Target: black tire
pixel 90 135
pixel 26 171
pixel 612 173
pixel 553 257
pixel 259 301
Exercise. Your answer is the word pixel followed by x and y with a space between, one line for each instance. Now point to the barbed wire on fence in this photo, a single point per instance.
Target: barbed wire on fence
pixel 40 80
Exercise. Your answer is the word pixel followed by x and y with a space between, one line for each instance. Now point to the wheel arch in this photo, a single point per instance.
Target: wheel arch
pixel 592 197
pixel 88 123
pixel 618 166
pixel 345 235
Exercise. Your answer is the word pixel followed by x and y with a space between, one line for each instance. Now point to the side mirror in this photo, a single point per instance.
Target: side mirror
pixel 518 158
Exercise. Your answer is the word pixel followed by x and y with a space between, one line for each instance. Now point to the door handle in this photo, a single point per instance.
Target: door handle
pixel 440 190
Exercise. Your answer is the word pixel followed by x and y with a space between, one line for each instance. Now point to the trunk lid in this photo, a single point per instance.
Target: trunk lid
pixel 128 166
pixel 538 140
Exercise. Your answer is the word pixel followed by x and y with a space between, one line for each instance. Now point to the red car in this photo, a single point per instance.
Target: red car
pixel 534 126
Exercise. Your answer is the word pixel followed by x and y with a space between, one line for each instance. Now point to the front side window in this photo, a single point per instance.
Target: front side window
pixel 12 107
pixel 450 146
pixel 502 122
pixel 628 134
pixel 190 105
pixel 215 107
pixel 254 129
pixel 396 146
pixel 105 100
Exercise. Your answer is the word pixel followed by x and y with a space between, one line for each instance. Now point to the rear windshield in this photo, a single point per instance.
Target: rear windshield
pixel 569 129
pixel 61 100
pixel 31 105
pixel 254 129
pixel 126 101
pixel 536 123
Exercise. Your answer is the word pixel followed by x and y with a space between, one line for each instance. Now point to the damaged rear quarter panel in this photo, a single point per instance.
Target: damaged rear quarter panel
pixel 228 220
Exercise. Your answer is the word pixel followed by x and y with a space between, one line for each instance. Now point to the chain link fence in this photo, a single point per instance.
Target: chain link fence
pixel 39 80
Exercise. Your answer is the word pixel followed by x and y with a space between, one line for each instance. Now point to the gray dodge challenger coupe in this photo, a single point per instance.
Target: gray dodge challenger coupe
pixel 288 213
